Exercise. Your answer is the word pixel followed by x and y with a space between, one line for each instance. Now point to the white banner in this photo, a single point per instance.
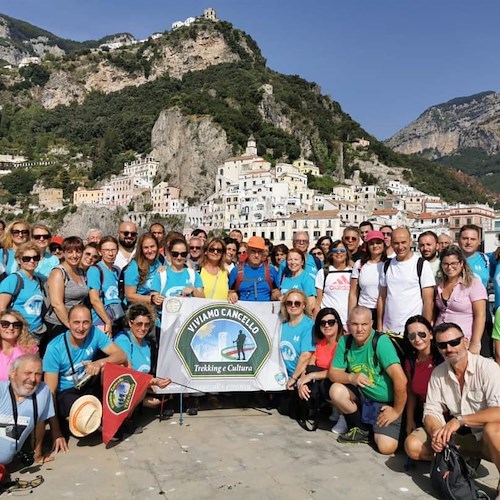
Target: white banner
pixel 215 346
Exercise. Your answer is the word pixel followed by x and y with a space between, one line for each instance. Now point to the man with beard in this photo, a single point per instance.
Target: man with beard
pixel 18 410
pixel 127 238
pixel 427 245
pixel 463 402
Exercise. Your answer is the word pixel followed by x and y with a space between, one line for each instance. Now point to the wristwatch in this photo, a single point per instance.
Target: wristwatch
pixel 460 420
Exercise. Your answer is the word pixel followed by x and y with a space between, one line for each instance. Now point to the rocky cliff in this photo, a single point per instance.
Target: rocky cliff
pixel 462 123
pixel 189 149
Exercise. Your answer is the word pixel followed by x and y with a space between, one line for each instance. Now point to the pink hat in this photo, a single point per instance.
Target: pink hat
pixel 374 235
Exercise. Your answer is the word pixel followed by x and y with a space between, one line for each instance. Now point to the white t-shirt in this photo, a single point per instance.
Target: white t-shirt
pixel 404 297
pixel 121 260
pixel 368 282
pixel 336 291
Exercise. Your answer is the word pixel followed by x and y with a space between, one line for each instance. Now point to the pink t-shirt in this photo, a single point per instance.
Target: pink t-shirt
pixel 459 306
pixel 5 360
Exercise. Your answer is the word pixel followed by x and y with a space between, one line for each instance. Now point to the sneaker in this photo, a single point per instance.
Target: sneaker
pixel 354 435
pixel 341 426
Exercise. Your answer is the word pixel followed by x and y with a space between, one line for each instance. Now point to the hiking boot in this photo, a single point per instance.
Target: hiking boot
pixel 341 426
pixel 354 435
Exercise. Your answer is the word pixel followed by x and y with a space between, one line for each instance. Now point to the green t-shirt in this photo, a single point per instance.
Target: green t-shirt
pixel 360 360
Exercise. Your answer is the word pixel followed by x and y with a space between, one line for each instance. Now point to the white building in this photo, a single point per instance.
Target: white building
pixel 144 169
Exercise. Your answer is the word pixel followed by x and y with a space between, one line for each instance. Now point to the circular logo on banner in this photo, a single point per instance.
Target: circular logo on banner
pixel 223 341
pixel 173 305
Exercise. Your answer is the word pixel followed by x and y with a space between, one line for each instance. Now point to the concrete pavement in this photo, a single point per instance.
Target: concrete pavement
pixel 232 453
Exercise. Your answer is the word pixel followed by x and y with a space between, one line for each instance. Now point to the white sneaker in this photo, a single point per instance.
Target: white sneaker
pixel 341 426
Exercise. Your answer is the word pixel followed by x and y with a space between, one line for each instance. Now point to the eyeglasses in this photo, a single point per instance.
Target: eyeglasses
pixel 338 250
pixel 129 233
pixel 293 303
pixel 88 254
pixel 21 484
pixel 386 234
pixel 41 236
pixel 216 250
pixel 179 254
pixel 351 238
pixel 301 242
pixel 451 343
pixel 243 252
pixel 451 264
pixel 141 324
pixel 317 254
pixel 22 232
pixel 27 258
pixel 413 335
pixel 17 325
pixel 255 250
pixel 327 322
pixel 194 248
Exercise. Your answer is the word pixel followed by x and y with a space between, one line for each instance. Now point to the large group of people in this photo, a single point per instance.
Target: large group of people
pixel 401 346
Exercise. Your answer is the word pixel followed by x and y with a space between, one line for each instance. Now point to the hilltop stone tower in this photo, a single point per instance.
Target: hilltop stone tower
pixel 251 149
pixel 210 14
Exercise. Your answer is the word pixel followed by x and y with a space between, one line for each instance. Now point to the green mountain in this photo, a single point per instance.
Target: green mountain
pixel 105 104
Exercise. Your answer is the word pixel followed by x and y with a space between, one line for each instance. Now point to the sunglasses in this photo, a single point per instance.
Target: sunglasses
pixel 27 258
pixel 242 253
pixel 141 324
pixel 317 254
pixel 351 238
pixel 129 233
pixel 216 250
pixel 17 325
pixel 88 254
pixel 413 335
pixel 17 232
pixel 386 234
pixel 301 242
pixel 327 322
pixel 179 254
pixel 451 343
pixel 41 236
pixel 194 248
pixel 338 250
pixel 293 303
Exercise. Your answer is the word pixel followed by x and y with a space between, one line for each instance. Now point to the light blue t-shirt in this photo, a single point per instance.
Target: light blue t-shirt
pixel 294 341
pixel 56 358
pixel 176 282
pixel 8 262
pixel 480 266
pixel 139 356
pixel 25 423
pixel 29 302
pixel 302 282
pixel 311 267
pixel 46 265
pixel 132 276
pixel 108 287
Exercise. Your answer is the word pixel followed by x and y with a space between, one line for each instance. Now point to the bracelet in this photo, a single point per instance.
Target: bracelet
pixel 293 378
pixel 151 299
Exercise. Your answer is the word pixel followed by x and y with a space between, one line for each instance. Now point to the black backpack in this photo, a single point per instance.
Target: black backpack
pixel 451 477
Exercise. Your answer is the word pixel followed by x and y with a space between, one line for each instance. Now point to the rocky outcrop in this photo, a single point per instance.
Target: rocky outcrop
pixel 189 149
pixel 88 217
pixel 468 122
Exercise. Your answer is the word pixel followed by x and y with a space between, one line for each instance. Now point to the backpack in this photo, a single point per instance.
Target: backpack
pixel 20 285
pixel 451 477
pixel 397 342
pixel 420 266
pixel 241 277
pixel 4 264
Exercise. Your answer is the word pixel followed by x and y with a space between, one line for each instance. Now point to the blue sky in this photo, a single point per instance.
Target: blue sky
pixel 384 61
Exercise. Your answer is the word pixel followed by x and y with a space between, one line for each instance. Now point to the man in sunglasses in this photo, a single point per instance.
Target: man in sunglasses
pixel 254 280
pixel 387 232
pixel 351 238
pixel 127 238
pixel 195 252
pixel 463 402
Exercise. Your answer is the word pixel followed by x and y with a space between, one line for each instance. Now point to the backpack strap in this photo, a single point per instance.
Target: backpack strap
pixel 420 266
pixel 348 345
pixel 17 290
pixel 267 275
pixel 121 285
pixel 326 272
pixel 239 277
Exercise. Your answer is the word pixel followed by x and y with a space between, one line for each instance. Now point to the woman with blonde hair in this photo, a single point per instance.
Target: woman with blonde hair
pixel 296 342
pixel 15 340
pixel 16 233
pixel 22 290
pixel 214 275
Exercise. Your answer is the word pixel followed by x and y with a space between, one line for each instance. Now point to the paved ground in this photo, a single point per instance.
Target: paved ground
pixel 232 453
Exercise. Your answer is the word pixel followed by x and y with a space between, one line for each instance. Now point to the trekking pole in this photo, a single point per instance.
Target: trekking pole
pixel 181 419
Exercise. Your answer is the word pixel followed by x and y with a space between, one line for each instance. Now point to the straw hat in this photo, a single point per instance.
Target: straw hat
pixel 85 416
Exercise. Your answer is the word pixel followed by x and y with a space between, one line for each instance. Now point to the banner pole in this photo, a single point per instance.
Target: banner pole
pixel 181 419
